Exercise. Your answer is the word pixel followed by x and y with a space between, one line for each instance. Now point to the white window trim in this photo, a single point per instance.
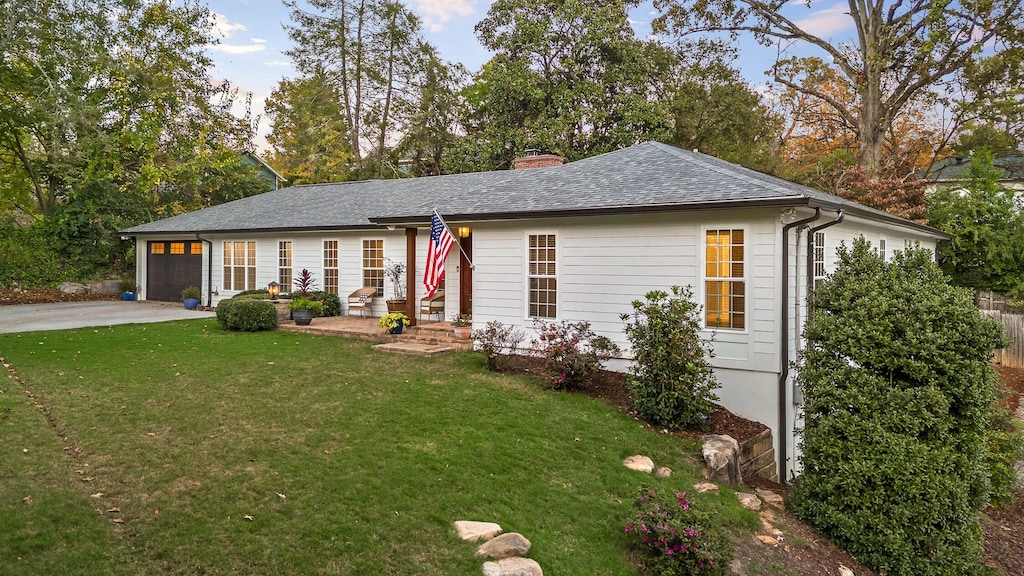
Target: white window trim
pixel 291 265
pixel 883 248
pixel 816 277
pixel 362 262
pixel 702 258
pixel 255 272
pixel 527 275
pixel 323 264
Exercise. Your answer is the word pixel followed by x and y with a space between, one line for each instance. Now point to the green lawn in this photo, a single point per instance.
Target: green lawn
pixel 284 453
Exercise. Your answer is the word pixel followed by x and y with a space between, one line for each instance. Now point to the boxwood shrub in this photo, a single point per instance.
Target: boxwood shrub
pixel 332 303
pixel 246 314
pixel 898 394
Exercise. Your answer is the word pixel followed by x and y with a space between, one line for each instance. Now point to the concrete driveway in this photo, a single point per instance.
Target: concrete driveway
pixel 63 315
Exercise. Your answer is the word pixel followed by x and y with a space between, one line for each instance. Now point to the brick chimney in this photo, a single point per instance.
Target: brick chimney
pixel 534 159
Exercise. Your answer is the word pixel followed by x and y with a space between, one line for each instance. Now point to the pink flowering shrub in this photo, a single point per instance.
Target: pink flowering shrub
pixel 678 538
pixel 572 352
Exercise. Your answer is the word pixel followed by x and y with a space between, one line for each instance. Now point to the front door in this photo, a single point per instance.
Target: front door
pixel 172 266
pixel 466 275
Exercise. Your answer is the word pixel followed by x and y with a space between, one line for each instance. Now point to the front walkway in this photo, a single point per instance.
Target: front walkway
pixel 438 334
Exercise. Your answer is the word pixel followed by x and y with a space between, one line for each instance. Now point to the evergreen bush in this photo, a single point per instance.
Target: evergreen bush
pixel 331 302
pixel 672 380
pixel 898 392
pixel 246 314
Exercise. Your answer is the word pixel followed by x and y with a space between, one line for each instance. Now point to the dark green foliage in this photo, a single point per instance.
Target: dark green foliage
pixel 898 392
pixel 678 538
pixel 673 383
pixel 29 257
pixel 255 294
pixel 331 302
pixel 572 352
pixel 1005 448
pixel 498 342
pixel 246 314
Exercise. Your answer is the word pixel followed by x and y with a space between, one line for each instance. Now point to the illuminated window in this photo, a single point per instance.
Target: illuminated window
pixel 543 276
pixel 373 265
pixel 819 258
pixel 177 247
pixel 156 247
pixel 240 265
pixel 197 248
pixel 724 282
pixel 284 265
pixel 331 266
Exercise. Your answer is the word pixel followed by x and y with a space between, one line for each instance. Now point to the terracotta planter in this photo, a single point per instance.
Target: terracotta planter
pixel 463 332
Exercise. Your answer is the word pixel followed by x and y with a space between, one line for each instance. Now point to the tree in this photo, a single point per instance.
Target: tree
pixel 568 77
pixel 308 135
pixel 899 51
pixel 976 137
pixel 988 230
pixel 898 391
pixel 432 126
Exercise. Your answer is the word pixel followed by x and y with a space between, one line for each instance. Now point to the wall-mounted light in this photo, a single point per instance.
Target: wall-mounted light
pixel 273 289
pixel 463 231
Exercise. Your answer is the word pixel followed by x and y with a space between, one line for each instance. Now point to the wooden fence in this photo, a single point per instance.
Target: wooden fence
pixel 1013 355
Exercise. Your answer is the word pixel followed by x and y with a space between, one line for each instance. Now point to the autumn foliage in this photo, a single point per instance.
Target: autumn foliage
pixel 903 198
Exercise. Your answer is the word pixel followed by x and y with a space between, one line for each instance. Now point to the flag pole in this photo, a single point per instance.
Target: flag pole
pixel 458 242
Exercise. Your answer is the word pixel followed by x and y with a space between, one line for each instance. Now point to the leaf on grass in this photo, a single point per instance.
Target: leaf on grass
pixel 114 509
pixel 150 433
pixel 247 517
pixel 96 495
pixel 27 499
pixel 281 496
pixel 118 521
pixel 87 479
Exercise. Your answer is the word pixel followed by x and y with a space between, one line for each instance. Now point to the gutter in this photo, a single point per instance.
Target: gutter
pixel 209 271
pixel 784 346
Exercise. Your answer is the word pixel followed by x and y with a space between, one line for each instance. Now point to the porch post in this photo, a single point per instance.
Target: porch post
pixel 410 275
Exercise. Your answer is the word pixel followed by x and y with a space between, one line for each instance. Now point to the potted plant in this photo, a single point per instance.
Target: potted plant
pixel 190 297
pixel 304 309
pixel 304 283
pixel 127 288
pixel 463 326
pixel 393 322
pixel 395 272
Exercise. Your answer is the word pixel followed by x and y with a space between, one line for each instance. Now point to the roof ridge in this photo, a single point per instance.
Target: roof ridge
pixel 733 170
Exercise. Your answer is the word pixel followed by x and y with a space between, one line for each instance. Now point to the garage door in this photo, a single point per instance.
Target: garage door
pixel 171 267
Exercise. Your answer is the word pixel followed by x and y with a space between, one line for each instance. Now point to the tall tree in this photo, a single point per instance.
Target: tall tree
pixel 432 126
pixel 897 51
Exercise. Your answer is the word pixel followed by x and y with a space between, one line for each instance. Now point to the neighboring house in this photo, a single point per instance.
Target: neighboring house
pixel 951 171
pixel 274 180
pixel 578 241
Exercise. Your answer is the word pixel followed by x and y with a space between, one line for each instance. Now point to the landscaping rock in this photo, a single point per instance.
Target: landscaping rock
pixel 473 531
pixel 765 539
pixel 722 455
pixel 73 288
pixel 706 487
pixel 639 463
pixel 513 567
pixel 504 546
pixel 769 497
pixel 844 571
pixel 663 472
pixel 749 501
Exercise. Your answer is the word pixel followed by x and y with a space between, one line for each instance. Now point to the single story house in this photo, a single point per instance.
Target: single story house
pixel 575 242
pixel 952 170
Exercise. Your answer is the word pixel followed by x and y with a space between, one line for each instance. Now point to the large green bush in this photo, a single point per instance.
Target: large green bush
pixel 332 303
pixel 246 314
pixel 898 391
pixel 28 257
pixel 672 380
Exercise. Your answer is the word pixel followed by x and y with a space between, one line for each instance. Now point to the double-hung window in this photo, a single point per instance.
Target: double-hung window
pixel 725 284
pixel 542 276
pixel 819 258
pixel 240 265
pixel 373 265
pixel 331 266
pixel 284 265
pixel 882 251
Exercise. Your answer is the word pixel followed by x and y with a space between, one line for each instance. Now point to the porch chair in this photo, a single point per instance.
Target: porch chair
pixel 361 300
pixel 433 305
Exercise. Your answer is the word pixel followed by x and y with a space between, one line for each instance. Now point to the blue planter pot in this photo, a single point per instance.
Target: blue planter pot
pixel 190 303
pixel 397 329
pixel 128 296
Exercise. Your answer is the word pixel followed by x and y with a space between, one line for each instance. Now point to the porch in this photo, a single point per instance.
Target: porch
pixel 426 338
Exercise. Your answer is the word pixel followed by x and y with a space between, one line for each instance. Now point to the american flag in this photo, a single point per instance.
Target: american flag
pixel 441 241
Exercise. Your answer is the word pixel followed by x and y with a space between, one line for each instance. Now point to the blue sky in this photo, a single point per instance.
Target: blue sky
pixel 253 41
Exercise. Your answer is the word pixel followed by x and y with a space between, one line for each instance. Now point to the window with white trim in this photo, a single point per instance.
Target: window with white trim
pixel 284 265
pixel 542 275
pixel 331 266
pixel 725 283
pixel 240 265
pixel 882 252
pixel 373 265
pixel 819 258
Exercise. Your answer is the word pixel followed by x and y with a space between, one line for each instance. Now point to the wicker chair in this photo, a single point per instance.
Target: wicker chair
pixel 433 305
pixel 361 300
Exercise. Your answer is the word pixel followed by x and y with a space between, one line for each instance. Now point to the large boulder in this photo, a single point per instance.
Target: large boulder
pixel 722 455
pixel 471 531
pixel 639 463
pixel 73 288
pixel 513 567
pixel 504 546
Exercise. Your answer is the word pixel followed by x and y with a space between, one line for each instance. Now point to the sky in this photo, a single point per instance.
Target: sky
pixel 252 40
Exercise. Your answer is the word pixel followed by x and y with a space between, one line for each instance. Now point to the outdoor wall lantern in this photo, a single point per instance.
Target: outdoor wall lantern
pixel 273 289
pixel 463 231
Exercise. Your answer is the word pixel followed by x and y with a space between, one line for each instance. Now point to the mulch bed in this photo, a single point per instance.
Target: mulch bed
pixel 47 295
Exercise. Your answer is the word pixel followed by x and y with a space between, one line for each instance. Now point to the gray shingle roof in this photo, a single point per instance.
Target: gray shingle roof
pixel 956 167
pixel 646 177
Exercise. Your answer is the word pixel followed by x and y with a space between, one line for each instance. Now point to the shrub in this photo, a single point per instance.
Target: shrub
pixel 191 292
pixel 246 314
pixel 331 303
pixel 898 390
pixel 256 294
pixel 316 306
pixel 1004 449
pixel 672 381
pixel 572 352
pixel 498 342
pixel 677 538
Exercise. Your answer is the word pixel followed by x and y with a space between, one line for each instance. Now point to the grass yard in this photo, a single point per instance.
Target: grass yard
pixel 179 448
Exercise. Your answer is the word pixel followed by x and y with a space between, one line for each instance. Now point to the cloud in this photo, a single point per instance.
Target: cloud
pixel 222 28
pixel 258 40
pixel 279 63
pixel 238 48
pixel 436 12
pixel 826 22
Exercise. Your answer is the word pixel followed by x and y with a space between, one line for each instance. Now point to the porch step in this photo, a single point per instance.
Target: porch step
pixel 413 348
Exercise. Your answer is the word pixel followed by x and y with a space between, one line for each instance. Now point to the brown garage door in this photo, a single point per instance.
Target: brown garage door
pixel 171 267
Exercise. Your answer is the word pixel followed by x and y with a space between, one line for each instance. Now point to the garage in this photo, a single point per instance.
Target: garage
pixel 171 267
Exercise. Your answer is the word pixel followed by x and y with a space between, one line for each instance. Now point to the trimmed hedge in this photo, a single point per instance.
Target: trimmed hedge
pixel 899 392
pixel 332 303
pixel 246 314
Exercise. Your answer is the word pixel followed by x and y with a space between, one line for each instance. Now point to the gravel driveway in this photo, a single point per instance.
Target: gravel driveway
pixel 63 315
